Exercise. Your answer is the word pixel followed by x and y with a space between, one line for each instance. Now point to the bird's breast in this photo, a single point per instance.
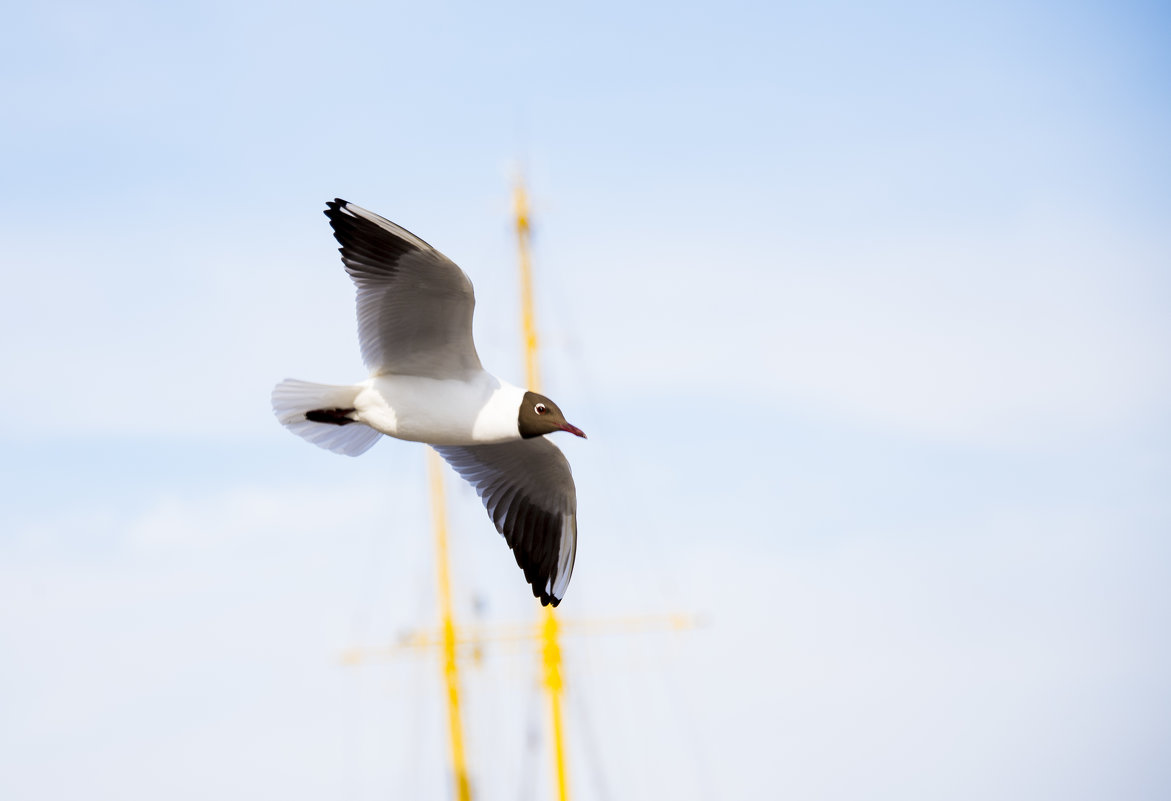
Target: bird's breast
pixel 441 412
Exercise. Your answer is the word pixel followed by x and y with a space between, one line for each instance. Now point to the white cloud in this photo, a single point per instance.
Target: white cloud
pixel 206 522
pixel 975 644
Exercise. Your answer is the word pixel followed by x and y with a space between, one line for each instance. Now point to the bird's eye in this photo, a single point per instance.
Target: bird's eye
pixel 540 408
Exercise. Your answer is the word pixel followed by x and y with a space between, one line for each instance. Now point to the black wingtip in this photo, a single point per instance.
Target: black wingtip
pixel 546 599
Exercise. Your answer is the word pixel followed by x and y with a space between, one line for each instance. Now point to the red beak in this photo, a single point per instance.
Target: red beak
pixel 573 430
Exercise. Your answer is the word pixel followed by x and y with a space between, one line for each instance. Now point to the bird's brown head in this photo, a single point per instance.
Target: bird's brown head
pixel 538 415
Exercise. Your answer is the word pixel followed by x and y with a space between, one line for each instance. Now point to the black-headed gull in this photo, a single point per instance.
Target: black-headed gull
pixel 426 384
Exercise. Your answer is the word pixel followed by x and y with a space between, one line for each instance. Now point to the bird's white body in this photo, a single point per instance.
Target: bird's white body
pixel 477 410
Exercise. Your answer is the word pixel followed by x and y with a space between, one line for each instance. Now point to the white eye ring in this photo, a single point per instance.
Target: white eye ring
pixel 540 408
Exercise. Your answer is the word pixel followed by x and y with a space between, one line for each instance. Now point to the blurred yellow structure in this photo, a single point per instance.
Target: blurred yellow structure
pixel 459 764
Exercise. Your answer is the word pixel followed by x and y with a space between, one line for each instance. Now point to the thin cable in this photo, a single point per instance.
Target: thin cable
pixel 679 702
pixel 530 750
pixel 590 740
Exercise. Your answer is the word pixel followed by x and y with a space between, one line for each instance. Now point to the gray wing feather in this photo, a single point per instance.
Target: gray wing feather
pixel 415 305
pixel 528 490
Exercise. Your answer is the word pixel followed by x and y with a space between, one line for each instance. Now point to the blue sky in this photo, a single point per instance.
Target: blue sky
pixel 864 307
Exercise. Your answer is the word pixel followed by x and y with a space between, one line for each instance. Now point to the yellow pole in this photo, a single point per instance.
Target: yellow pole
pixel 528 321
pixel 450 666
pixel 554 681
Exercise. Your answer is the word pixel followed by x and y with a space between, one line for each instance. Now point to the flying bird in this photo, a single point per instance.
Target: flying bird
pixel 427 385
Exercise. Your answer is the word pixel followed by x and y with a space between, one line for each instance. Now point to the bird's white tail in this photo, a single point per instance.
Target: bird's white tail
pixel 321 413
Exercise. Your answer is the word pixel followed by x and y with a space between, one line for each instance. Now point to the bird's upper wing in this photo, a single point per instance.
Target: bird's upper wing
pixel 527 488
pixel 414 304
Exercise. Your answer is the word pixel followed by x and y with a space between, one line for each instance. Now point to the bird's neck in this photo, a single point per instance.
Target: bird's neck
pixel 498 420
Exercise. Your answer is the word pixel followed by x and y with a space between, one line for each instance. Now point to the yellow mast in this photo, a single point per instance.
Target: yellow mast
pixel 528 321
pixel 551 647
pixel 450 663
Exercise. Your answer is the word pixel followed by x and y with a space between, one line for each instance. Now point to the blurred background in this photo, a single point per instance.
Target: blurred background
pixel 864 306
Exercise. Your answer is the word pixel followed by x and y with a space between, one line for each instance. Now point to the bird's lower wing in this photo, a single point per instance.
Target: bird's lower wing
pixel 527 488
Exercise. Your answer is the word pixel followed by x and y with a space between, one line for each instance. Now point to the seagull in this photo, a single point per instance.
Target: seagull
pixel 427 385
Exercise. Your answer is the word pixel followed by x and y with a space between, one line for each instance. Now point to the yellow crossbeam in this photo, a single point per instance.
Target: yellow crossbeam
pixel 470 637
